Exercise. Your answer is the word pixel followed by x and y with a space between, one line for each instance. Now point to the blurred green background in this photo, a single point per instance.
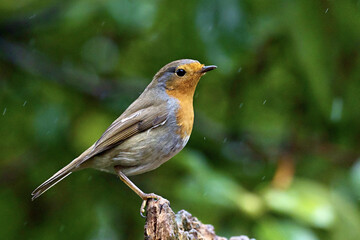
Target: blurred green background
pixel 274 153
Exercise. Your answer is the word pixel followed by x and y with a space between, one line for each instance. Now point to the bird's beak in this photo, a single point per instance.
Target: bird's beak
pixel 205 69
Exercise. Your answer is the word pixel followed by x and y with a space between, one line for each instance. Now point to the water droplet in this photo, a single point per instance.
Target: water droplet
pixel 24 103
pixel 264 101
pixel 240 69
pixel 326 11
pixel 241 105
pixel 4 112
pixel 263 178
pixel 204 138
pixel 32 16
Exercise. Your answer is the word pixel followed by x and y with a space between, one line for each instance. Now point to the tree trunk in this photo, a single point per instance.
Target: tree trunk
pixel 162 224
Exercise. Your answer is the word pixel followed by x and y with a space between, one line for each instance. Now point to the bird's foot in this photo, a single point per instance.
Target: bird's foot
pixel 145 198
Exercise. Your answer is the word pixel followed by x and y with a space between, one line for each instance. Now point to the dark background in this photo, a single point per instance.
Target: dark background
pixel 274 153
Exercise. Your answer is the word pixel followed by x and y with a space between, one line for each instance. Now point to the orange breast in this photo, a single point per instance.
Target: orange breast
pixel 183 88
pixel 185 112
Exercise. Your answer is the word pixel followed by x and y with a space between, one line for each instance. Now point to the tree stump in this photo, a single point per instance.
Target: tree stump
pixel 163 224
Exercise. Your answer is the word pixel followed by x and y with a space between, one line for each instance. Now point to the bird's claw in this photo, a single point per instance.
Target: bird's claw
pixel 145 198
pixel 142 208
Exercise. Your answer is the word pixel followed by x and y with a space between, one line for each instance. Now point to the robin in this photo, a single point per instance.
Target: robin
pixel 154 128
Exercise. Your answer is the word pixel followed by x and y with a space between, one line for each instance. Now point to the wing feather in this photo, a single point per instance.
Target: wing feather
pixel 124 128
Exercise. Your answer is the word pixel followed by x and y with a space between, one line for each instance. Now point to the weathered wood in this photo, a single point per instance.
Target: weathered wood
pixel 162 224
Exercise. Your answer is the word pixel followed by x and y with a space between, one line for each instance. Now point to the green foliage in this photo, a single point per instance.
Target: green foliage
pixel 274 153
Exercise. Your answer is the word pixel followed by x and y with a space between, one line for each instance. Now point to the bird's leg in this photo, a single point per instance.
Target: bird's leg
pixel 130 184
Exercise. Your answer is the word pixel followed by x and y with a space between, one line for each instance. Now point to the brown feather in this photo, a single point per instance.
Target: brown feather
pixel 122 130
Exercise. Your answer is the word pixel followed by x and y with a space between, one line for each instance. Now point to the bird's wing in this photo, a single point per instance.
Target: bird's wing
pixel 125 127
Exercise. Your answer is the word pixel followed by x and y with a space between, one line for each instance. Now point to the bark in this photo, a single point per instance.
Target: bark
pixel 162 223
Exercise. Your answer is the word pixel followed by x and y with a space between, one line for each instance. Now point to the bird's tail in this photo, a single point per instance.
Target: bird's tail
pixel 57 177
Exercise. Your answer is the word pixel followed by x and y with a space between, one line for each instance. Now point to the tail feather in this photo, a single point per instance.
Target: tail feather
pixel 57 177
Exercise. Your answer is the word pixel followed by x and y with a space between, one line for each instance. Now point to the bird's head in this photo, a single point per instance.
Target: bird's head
pixel 181 76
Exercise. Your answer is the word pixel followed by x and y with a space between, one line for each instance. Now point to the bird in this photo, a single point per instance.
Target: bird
pixel 153 129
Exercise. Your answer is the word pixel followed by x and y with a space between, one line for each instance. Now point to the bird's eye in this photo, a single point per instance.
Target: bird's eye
pixel 180 72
